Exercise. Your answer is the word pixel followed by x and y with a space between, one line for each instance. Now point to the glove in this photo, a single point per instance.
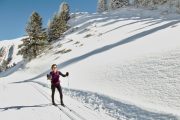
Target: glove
pixel 67 73
pixel 48 76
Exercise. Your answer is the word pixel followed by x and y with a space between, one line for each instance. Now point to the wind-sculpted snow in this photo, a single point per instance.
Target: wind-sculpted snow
pixel 116 109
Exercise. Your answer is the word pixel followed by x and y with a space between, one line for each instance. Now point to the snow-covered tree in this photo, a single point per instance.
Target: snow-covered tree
pixel 56 27
pixel 37 38
pixel 64 11
pixel 2 51
pixel 102 5
pixel 115 4
pixel 58 24
pixel 3 66
pixel 25 49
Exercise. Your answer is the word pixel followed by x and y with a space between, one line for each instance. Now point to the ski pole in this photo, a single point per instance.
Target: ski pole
pixel 68 85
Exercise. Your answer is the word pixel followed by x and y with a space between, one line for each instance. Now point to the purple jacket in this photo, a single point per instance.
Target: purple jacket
pixel 55 77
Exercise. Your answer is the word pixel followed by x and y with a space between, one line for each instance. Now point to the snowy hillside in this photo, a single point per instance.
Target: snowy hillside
pixel 123 65
pixel 7 52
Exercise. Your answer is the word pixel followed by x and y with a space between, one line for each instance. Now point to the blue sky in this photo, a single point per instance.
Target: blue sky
pixel 14 14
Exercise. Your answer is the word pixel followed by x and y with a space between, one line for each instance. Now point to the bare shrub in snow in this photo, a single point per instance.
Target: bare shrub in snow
pixel 88 35
pixel 63 51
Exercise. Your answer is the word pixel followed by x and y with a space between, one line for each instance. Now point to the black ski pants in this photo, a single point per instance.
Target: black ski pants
pixel 53 87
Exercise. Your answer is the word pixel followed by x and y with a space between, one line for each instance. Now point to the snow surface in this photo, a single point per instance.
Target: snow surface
pixel 7 44
pixel 123 65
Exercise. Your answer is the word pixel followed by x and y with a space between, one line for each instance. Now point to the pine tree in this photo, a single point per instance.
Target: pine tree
pixel 25 49
pixel 54 28
pixel 102 6
pixel 37 38
pixel 3 66
pixel 115 4
pixel 63 21
pixel 58 24
pixel 64 11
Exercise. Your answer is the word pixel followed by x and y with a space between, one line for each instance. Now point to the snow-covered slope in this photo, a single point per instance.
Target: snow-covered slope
pixel 6 45
pixel 8 52
pixel 123 63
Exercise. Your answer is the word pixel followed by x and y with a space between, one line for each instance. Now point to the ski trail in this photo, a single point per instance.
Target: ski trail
pixel 74 112
pixel 21 101
pixel 86 111
pixel 82 112
pixel 72 117
pixel 60 108
pixel 112 108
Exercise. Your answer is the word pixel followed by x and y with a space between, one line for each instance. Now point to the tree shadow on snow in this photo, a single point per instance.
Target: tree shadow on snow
pixel 105 48
pixel 150 24
pixel 23 106
pixel 131 23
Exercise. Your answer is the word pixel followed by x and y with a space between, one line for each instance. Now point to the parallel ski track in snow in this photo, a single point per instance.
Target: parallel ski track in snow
pixel 75 113
pixel 59 107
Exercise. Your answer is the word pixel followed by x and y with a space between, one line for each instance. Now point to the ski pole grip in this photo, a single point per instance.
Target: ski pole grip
pixel 67 73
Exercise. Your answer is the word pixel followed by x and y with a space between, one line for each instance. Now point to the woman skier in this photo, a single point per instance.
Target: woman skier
pixel 55 82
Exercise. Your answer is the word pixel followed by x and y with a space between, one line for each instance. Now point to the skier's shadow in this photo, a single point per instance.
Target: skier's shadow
pixel 23 106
